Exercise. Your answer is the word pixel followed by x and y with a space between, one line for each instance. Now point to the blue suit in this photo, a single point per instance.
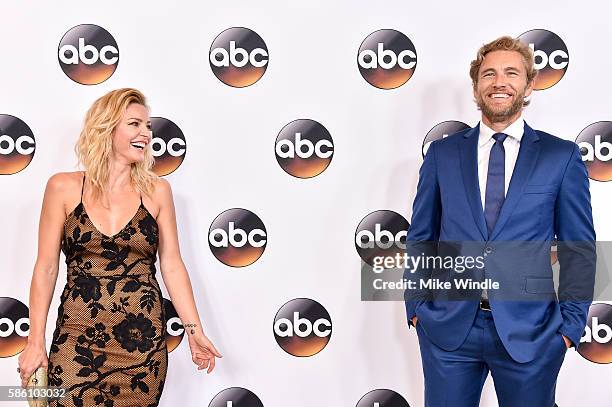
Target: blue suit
pixel 548 196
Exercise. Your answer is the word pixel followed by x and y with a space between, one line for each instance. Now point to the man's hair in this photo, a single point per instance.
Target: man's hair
pixel 505 43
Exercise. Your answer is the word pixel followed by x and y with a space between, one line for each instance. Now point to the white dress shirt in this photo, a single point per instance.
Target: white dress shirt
pixel 512 144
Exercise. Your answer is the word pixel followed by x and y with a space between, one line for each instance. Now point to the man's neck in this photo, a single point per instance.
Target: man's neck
pixel 499 126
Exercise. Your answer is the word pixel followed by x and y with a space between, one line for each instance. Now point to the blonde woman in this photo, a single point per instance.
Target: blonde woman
pixel 109 345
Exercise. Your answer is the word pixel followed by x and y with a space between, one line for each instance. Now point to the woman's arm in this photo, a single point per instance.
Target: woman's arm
pixel 44 277
pixel 177 280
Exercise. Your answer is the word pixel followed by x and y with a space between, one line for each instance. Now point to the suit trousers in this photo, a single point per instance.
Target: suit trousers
pixel 455 378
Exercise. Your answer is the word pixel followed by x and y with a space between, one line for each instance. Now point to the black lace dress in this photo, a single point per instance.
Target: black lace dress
pixel 109 346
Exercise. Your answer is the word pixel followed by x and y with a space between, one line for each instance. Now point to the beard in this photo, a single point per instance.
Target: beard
pixel 495 115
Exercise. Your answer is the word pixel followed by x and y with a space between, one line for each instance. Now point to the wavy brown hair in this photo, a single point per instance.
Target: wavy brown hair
pixel 94 147
pixel 505 43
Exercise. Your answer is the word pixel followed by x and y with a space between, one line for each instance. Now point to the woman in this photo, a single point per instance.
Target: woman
pixel 109 344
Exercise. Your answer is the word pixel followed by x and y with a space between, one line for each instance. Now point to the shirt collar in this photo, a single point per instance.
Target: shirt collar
pixel 515 130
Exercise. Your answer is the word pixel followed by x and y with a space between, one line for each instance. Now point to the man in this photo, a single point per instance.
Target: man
pixel 502 191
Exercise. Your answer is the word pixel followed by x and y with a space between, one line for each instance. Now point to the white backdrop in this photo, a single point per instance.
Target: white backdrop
pixel 230 162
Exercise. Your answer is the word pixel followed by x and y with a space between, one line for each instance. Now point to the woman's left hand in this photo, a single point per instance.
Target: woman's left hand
pixel 203 352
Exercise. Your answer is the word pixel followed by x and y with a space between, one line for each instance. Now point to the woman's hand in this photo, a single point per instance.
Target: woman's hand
pixel 30 359
pixel 203 352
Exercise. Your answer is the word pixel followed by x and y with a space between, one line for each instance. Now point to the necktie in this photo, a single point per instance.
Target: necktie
pixel 495 192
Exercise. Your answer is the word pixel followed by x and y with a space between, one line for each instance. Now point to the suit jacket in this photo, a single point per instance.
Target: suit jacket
pixel 548 196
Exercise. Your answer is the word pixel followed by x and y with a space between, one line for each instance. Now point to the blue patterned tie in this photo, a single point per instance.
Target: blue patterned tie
pixel 494 194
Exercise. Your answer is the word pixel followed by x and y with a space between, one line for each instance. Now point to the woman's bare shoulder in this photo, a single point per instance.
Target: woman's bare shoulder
pixel 65 181
pixel 163 192
pixel 162 186
pixel 155 200
pixel 65 187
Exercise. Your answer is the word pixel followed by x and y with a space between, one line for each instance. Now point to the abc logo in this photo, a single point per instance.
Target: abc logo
pixel 386 59
pixel 595 143
pixel 238 57
pixel 304 148
pixel 440 131
pixel 302 327
pixel 550 56
pixel 237 237
pixel 17 145
pixel 14 326
pixel 235 397
pixel 381 233
pixel 596 342
pixel 168 146
pixel 88 54
pixel 174 327
pixel 382 398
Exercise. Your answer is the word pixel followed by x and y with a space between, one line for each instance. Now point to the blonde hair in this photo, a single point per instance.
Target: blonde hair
pixel 95 144
pixel 505 43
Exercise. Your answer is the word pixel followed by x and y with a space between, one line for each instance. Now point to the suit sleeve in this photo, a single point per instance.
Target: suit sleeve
pixel 424 230
pixel 575 247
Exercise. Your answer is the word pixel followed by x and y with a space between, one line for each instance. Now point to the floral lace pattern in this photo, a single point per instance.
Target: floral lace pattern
pixel 110 324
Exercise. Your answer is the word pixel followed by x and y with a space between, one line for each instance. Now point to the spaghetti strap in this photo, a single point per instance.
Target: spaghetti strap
pixel 83 187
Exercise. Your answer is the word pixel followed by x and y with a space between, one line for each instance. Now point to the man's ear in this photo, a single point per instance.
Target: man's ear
pixel 530 86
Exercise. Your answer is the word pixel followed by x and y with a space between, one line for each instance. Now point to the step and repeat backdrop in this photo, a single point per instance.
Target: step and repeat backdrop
pixel 292 135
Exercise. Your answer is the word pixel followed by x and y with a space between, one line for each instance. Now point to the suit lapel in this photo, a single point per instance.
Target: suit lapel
pixel 468 154
pixel 525 162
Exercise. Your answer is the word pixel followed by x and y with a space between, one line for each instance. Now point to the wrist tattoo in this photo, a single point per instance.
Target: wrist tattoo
pixel 192 326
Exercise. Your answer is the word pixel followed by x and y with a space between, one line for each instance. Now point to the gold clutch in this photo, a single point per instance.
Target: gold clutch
pixel 38 380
